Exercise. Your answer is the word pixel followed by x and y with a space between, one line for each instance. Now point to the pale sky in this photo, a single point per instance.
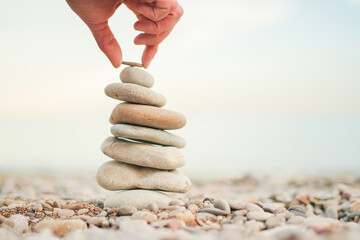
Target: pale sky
pixel 233 57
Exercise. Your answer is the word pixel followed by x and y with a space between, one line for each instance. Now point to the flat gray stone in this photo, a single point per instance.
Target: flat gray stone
pixel 115 175
pixel 139 199
pixel 143 154
pixel 147 134
pixel 135 94
pixel 137 76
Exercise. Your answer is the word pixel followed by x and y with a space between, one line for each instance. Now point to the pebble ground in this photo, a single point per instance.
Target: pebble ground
pixel 286 207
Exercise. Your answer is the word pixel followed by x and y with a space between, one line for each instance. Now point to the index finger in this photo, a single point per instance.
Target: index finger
pixel 152 9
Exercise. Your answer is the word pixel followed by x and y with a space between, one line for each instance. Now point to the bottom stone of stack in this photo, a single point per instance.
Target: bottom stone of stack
pixel 137 198
pixel 116 176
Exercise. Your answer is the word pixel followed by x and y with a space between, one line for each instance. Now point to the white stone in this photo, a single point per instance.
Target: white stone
pixel 139 199
pixel 143 154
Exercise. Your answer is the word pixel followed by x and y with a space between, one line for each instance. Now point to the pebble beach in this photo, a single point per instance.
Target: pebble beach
pixel 287 206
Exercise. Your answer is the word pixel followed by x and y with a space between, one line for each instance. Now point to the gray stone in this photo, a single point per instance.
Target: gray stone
pixel 135 94
pixel 222 204
pixel 146 134
pixel 143 154
pixel 296 220
pixel 236 205
pixel 268 207
pixel 252 207
pixel 214 211
pixel 137 76
pixel 332 212
pixel 259 216
pixel 126 210
pixel 114 175
pixel 139 199
pixel 297 208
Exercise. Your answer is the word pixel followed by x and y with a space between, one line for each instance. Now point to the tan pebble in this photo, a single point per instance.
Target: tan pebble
pixel 260 204
pixel 170 208
pixel 115 175
pixel 8 222
pixel 222 204
pixel 296 220
pixel 96 220
pixel 236 205
pixel 242 212
pixel 185 216
pixel 162 215
pixel 195 201
pixel 148 116
pixel 122 218
pixel 274 222
pixel 160 223
pixel 47 212
pixel 111 210
pixel 45 205
pixel 60 227
pixel 143 154
pixel 105 224
pixel 252 207
pixel 135 94
pixel 56 204
pixel 126 210
pixel 211 226
pixel 355 207
pixel 143 215
pixel 259 216
pixel 84 217
pixel 176 202
pixel 175 224
pixel 64 213
pixel 192 208
pixel 255 226
pixel 2 202
pixel 289 215
pixel 82 211
pixel 37 207
pixel 268 207
pixel 153 207
pixel 137 76
pixel 74 206
pixel 8 202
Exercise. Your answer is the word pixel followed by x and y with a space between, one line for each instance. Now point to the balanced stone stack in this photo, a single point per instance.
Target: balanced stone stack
pixel 145 156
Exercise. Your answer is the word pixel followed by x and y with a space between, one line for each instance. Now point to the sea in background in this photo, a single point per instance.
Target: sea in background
pixel 218 145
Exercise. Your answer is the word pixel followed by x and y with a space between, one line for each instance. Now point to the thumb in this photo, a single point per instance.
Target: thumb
pixel 107 43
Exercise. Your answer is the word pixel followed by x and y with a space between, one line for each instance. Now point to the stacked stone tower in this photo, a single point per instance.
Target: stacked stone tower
pixel 145 156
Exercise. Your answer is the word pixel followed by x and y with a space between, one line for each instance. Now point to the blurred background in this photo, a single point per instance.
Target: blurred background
pixel 266 85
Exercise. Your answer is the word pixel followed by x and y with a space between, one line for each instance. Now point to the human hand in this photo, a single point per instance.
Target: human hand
pixel 156 19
